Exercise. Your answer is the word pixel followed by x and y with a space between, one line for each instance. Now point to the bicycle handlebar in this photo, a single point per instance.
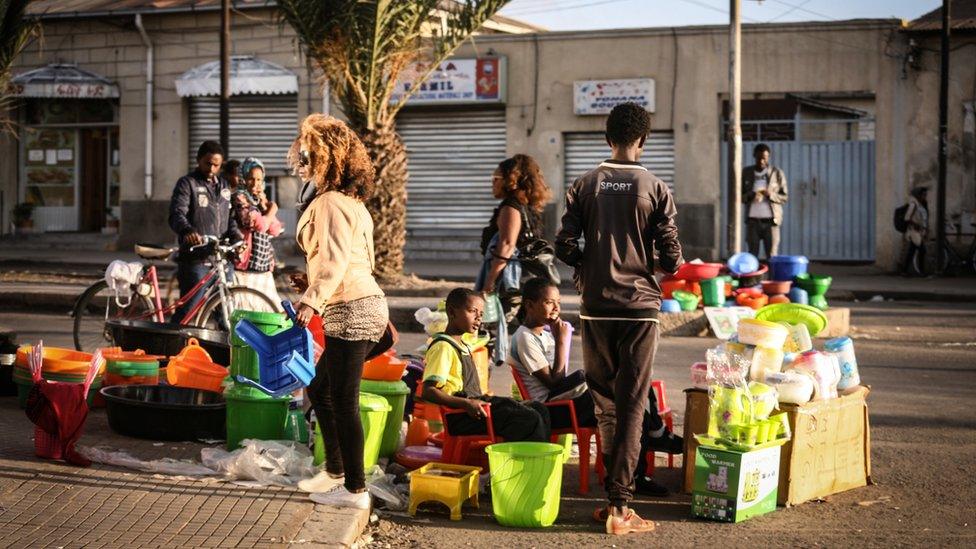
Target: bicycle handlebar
pixel 209 239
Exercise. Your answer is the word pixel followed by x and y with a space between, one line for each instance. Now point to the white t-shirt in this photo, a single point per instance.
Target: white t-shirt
pixel 531 353
pixel 762 209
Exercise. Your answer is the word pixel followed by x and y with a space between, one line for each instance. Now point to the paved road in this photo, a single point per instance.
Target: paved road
pixel 919 358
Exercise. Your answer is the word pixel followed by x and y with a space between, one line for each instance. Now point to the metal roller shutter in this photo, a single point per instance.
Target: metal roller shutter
pixel 451 156
pixel 584 151
pixel 262 126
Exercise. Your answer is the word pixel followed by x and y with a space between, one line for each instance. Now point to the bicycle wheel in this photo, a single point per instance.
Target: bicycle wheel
pixel 97 305
pixel 239 297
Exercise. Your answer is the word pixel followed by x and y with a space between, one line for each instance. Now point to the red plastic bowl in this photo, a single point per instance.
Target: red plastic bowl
pixel 776 287
pixel 694 272
pixel 669 285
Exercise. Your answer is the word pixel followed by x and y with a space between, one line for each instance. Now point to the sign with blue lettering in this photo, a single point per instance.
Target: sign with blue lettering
pixel 595 97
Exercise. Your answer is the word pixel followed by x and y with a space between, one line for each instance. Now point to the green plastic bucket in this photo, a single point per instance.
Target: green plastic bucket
pixel 269 323
pixel 526 478
pixel 244 362
pixel 395 393
pixel 253 414
pixel 713 291
pixel 373 410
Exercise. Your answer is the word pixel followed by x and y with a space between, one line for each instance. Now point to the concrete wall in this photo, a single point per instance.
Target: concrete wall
pixel 114 49
pixel 689 66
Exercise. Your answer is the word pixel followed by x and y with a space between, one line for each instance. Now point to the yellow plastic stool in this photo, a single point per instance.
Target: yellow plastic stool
pixel 452 485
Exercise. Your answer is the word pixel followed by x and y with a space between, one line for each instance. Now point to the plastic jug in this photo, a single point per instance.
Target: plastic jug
pixel 730 406
pixel 765 399
pixel 842 348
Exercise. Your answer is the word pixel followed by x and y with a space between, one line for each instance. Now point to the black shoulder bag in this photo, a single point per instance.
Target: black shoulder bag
pixel 537 255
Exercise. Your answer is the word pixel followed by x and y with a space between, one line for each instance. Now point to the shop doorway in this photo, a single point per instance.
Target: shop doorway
pixel 93 177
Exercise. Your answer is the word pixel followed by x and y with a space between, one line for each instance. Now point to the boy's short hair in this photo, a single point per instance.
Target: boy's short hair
pixel 759 149
pixel 209 147
pixel 628 123
pixel 232 167
pixel 459 297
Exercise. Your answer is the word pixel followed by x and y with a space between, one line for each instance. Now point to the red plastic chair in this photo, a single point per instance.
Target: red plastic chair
pixel 583 435
pixel 461 449
pixel 664 411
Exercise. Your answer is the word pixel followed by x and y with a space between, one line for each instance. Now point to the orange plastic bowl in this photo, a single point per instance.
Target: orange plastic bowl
pixel 58 360
pixel 386 367
pixel 668 286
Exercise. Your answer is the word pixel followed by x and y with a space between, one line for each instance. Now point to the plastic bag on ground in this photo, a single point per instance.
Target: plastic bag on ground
pixel 166 466
pixel 265 461
pixel 396 497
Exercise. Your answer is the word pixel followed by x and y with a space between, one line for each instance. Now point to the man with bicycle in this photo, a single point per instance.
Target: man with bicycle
pixel 200 206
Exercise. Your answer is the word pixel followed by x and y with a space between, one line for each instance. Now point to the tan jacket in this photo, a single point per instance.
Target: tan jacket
pixel 776 188
pixel 336 234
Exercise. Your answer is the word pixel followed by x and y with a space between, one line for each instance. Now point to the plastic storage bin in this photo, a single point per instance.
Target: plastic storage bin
pixel 373 411
pixel 395 393
pixel 253 414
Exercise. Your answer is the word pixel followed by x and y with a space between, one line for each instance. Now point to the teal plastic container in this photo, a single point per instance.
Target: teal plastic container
pixel 373 410
pixel 395 393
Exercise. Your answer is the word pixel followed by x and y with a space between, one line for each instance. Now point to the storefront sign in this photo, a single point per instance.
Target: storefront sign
pixel 591 97
pixel 455 81
pixel 95 90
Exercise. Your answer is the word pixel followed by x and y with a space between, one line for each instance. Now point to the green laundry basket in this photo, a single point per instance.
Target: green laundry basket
pixel 373 410
pixel 395 393
pixel 526 478
pixel 253 414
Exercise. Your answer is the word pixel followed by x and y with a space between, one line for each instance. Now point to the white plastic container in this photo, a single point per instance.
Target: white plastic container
pixel 765 361
pixel 799 339
pixel 842 348
pixel 792 387
pixel 824 371
pixel 762 333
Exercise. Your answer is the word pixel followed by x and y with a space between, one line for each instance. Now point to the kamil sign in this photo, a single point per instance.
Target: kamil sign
pixel 457 81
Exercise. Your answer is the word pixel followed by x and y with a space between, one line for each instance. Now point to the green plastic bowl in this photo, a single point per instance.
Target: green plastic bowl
pixel 687 300
pixel 795 313
pixel 814 284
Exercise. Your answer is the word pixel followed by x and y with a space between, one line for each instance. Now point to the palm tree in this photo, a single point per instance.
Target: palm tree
pixel 15 32
pixel 362 47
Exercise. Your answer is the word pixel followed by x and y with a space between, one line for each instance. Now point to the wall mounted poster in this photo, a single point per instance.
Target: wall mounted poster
pixel 596 97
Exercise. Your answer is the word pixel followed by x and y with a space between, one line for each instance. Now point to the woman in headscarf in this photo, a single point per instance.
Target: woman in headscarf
pixel 256 218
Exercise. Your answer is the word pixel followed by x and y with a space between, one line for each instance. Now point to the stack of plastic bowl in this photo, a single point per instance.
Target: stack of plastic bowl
pixel 250 412
pixel 64 365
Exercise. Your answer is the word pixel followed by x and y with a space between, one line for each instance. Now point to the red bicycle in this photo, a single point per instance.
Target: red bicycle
pixel 99 303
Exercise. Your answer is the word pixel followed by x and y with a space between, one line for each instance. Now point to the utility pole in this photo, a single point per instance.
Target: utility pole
pixel 943 136
pixel 734 230
pixel 225 76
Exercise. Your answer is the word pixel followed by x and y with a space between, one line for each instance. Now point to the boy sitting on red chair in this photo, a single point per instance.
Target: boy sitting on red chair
pixel 451 379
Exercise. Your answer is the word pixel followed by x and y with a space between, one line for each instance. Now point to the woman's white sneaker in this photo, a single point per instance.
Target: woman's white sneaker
pixel 322 482
pixel 340 497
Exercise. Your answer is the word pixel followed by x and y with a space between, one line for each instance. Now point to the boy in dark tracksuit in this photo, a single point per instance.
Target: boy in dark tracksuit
pixel 451 379
pixel 625 214
pixel 200 206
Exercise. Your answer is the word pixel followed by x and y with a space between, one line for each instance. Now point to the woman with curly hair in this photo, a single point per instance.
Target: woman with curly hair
pixel 519 183
pixel 335 232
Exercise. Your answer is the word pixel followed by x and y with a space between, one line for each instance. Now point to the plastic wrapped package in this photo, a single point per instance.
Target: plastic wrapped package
pixel 264 461
pixel 433 322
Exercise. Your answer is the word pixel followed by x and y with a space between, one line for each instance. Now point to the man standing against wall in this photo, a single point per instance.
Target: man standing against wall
pixel 625 214
pixel 764 192
pixel 200 206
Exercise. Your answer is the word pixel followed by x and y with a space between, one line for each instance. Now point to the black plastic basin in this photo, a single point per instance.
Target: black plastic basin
pixel 165 412
pixel 167 338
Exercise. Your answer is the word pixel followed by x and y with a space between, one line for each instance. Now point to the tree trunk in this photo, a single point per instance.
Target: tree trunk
pixel 388 205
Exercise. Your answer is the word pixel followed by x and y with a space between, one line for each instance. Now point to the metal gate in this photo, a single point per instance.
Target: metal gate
pixel 450 156
pixel 830 214
pixel 262 126
pixel 584 151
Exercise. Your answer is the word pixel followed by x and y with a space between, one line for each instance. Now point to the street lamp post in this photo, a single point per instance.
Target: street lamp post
pixel 734 229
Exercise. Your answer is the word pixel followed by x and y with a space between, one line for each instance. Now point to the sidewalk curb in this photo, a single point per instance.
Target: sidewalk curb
pixel 324 521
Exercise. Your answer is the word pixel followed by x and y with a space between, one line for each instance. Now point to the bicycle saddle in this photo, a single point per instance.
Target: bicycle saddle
pixel 152 251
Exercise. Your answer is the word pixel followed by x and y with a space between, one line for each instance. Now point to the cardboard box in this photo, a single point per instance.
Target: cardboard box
pixel 734 486
pixel 830 451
